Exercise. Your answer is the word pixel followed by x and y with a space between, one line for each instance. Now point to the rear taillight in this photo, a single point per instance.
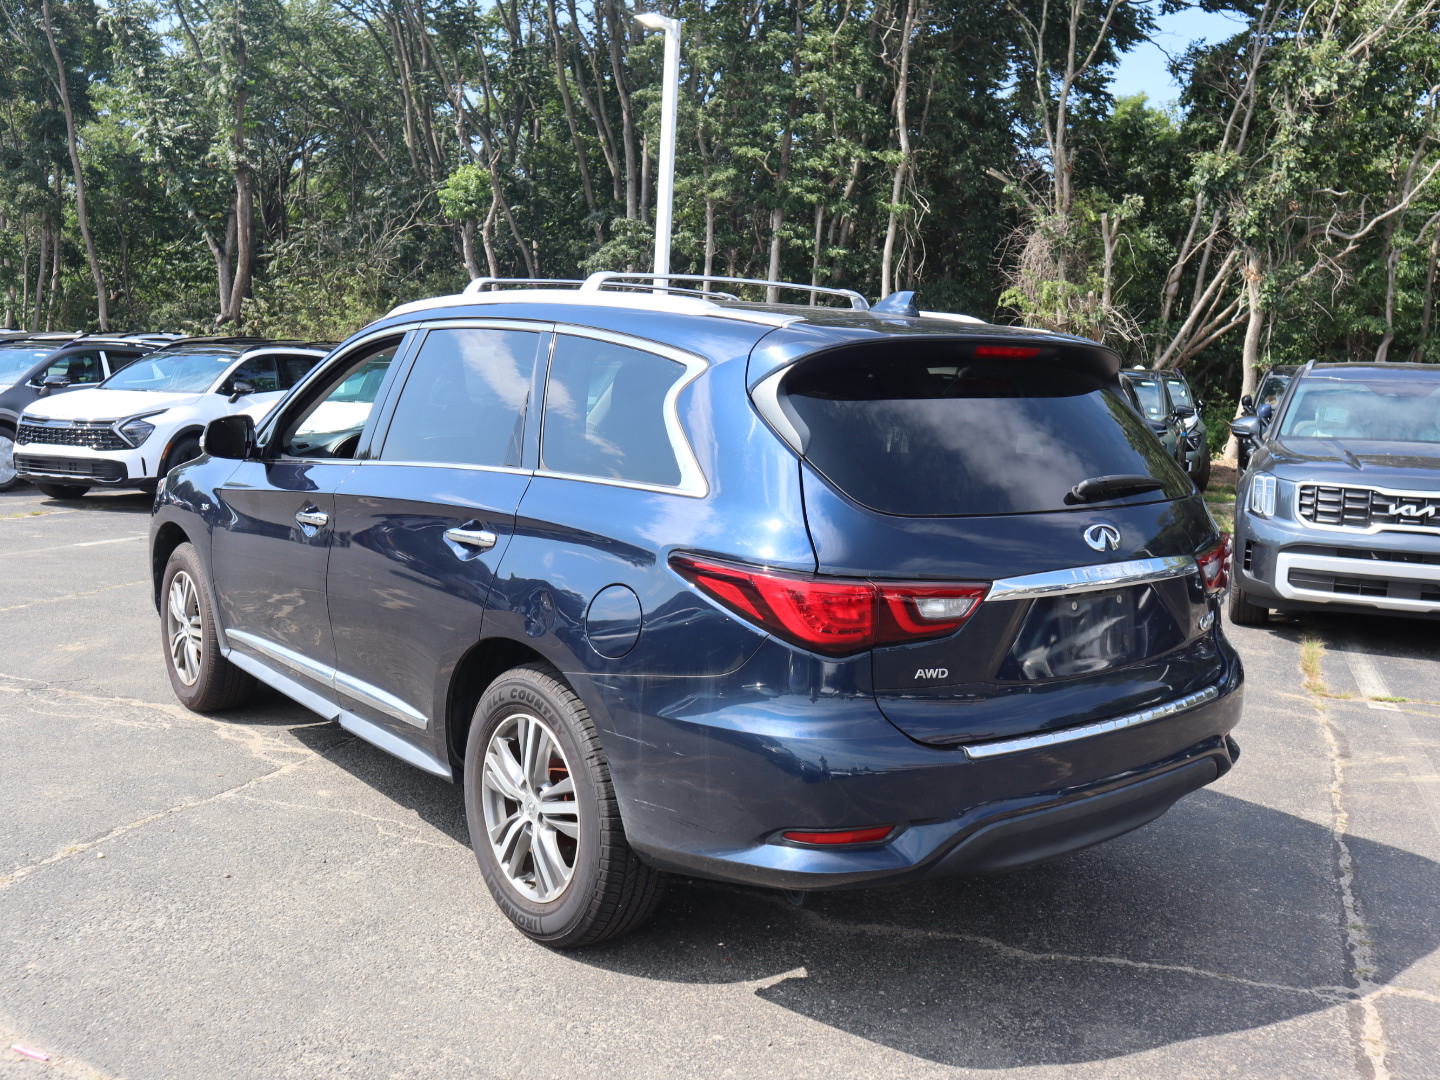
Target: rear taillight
pixel 1214 566
pixel 834 616
pixel 839 837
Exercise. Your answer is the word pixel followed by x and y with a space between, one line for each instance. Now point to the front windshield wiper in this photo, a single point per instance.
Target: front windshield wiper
pixel 1109 487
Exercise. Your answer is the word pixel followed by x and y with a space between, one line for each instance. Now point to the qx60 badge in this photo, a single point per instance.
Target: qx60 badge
pixel 1102 536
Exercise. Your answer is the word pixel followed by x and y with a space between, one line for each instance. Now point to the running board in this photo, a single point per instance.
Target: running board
pixel 371 732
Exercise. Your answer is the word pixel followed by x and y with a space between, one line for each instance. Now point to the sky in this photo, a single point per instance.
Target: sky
pixel 1143 70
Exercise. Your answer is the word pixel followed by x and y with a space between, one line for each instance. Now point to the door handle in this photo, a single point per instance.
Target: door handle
pixel 314 518
pixel 480 539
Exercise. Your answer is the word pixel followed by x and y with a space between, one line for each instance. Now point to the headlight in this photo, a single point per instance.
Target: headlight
pixel 1262 495
pixel 137 430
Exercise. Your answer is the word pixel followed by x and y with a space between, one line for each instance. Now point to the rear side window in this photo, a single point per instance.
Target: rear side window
pixel 465 399
pixel 605 412
pixel 295 368
pixel 939 434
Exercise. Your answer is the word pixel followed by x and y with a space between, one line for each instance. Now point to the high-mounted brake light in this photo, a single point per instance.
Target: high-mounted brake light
pixel 1214 566
pixel 834 616
pixel 1005 352
pixel 840 836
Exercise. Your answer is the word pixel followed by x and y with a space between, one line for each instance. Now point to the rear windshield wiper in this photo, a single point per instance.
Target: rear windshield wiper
pixel 1109 487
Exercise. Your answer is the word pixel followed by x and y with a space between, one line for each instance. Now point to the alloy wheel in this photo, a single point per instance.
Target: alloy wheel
pixel 531 817
pixel 7 460
pixel 184 628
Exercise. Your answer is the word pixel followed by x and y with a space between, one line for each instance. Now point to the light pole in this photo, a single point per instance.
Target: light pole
pixel 665 197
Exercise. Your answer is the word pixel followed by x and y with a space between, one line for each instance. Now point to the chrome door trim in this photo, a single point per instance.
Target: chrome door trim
pixel 380 700
pixel 1083 579
pixel 1086 731
pixel 312 669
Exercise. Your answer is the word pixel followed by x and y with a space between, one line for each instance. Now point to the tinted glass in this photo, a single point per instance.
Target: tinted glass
pixel 1151 396
pixel 118 360
pixel 259 371
pixel 172 372
pixel 1179 391
pixel 15 363
pixel 464 399
pixel 1272 389
pixel 605 412
pixel 331 426
pixel 295 368
pixel 926 436
pixel 1379 410
pixel 81 368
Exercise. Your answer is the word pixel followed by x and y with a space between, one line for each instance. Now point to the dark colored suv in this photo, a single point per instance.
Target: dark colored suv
pixel 801 597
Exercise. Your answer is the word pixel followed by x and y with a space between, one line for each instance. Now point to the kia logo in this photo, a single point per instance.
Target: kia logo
pixel 1410 510
pixel 1103 536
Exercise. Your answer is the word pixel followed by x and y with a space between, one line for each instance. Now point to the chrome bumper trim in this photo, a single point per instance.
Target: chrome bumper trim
pixel 1360 568
pixel 1082 579
pixel 1086 731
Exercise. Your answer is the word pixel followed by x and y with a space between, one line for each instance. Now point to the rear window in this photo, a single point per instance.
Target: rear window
pixel 941 434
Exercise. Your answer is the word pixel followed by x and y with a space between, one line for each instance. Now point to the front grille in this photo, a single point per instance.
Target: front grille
pixel 1362 508
pixel 94 434
pixel 104 471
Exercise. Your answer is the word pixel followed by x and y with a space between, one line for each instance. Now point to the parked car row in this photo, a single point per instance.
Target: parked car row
pixel 1173 412
pixel 123 410
pixel 797 596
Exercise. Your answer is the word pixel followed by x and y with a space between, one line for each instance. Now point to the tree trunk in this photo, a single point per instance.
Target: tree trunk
pixel 244 263
pixel 467 248
pixel 1428 311
pixel 62 84
pixel 40 268
pixel 902 127
pixel 1250 353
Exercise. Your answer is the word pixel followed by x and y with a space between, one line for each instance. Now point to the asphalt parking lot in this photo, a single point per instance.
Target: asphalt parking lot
pixel 260 895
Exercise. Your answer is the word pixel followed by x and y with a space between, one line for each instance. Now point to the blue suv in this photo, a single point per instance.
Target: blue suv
pixel 803 597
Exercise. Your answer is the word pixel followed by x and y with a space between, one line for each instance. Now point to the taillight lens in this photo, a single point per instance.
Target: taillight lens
pixel 1214 566
pixel 834 616
pixel 839 837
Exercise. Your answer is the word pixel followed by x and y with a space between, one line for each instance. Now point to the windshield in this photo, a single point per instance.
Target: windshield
pixel 14 363
pixel 174 373
pixel 1371 410
pixel 939 435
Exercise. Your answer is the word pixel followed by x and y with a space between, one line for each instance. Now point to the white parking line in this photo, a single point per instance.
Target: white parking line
pixel 1367 678
pixel 67 547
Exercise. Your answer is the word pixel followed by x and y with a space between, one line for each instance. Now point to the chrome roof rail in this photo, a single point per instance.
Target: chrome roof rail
pixel 614 279
pixel 480 284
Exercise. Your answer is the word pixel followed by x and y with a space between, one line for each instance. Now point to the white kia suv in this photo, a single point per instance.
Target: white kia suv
pixel 147 418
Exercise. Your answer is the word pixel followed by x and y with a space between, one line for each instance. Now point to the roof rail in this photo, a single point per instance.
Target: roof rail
pixel 613 279
pixel 480 284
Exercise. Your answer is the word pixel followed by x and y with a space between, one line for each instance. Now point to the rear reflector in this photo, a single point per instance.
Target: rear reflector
pixel 834 616
pixel 1005 352
pixel 844 836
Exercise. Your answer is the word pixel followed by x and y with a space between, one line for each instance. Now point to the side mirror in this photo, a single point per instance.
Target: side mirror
pixel 1248 404
pixel 238 389
pixel 54 383
pixel 230 437
pixel 1184 412
pixel 1245 427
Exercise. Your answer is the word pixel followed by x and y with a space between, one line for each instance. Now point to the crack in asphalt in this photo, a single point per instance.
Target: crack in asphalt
pixel 1361 965
pixel 378 821
pixel 73 596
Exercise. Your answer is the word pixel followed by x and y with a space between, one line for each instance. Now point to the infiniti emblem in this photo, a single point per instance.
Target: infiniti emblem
pixel 1103 536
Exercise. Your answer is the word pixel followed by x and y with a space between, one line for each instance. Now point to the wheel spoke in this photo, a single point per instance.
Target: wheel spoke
pixel 550 869
pixel 502 771
pixel 531 824
pixel 520 848
pixel 177 599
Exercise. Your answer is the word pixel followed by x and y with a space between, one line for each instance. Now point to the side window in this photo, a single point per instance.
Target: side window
pixel 330 426
pixel 295 368
pixel 117 360
pixel 465 399
pixel 81 368
pixel 604 412
pixel 259 371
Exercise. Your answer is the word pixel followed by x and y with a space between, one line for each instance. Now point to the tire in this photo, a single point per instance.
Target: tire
pixel 8 476
pixel 201 677
pixel 1243 612
pixel 63 491
pixel 1202 478
pixel 186 449
pixel 608 890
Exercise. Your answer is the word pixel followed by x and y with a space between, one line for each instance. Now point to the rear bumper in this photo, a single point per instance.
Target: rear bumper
pixel 709 793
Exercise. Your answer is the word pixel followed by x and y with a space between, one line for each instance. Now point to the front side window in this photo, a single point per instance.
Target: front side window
pixel 330 426
pixel 1179 391
pixel 259 372
pixel 1151 396
pixel 465 398
pixel 605 412
pixel 81 368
